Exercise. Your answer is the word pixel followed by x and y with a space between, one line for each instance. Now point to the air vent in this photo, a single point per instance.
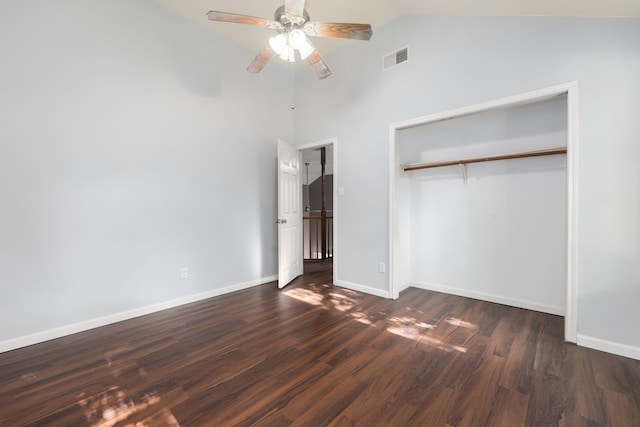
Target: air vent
pixel 396 58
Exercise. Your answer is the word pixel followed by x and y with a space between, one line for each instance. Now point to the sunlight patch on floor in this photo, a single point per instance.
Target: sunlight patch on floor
pixel 441 345
pixel 341 302
pixel 116 407
pixel 359 316
pixel 459 322
pixel 305 295
pixel 113 406
pixel 163 418
pixel 409 327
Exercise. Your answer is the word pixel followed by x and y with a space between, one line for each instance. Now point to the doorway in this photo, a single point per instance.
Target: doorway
pixel 319 253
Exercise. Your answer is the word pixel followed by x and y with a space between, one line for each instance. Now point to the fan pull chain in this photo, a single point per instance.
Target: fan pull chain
pixel 293 88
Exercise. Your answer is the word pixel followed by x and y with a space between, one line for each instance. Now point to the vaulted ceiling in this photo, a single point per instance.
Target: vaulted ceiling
pixel 379 12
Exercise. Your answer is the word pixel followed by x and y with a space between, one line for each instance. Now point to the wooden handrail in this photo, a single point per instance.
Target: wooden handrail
pixel 521 155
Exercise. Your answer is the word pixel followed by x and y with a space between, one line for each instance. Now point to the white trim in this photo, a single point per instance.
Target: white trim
pixel 571 297
pixel 502 103
pixel 609 347
pixel 394 225
pixel 513 302
pixel 334 143
pixel 362 288
pixel 571 91
pixel 51 334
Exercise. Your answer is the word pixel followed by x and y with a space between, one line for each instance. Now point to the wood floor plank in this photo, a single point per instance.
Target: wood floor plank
pixel 503 337
pixel 477 396
pixel 546 400
pixel 549 355
pixel 383 390
pixel 315 355
pixel 322 409
pixel 268 409
pixel 327 384
pixel 589 397
pixel 521 357
pixel 434 406
pixel 621 409
pixel 510 409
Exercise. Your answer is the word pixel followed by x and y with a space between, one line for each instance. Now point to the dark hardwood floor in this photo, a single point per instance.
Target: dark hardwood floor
pixel 314 355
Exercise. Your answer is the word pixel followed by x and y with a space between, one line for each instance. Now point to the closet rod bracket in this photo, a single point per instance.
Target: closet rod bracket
pixel 463 166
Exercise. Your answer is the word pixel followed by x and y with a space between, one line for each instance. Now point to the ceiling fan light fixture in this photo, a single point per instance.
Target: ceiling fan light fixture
pixel 305 50
pixel 291 21
pixel 297 38
pixel 288 54
pixel 278 43
pixel 285 44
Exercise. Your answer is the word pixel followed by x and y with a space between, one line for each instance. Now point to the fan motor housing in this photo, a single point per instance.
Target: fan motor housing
pixel 281 16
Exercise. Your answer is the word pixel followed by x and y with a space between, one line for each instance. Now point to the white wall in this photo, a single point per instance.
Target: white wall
pixel 460 61
pixel 502 235
pixel 132 144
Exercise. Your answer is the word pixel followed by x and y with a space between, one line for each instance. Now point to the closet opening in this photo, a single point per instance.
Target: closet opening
pixel 483 202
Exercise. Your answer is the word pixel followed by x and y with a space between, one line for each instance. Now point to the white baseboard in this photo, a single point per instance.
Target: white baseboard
pixel 364 289
pixel 558 311
pixel 403 287
pixel 609 347
pixel 51 334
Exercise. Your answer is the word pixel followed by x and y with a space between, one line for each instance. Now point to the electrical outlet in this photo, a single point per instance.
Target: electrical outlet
pixel 382 268
pixel 184 273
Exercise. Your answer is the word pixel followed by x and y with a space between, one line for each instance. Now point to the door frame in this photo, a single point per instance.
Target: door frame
pixel 330 142
pixel 570 90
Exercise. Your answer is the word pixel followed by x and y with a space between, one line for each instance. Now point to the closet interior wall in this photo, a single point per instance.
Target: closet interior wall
pixel 501 236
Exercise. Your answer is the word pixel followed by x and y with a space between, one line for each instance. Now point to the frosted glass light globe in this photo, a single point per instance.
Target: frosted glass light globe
pixel 297 39
pixel 278 43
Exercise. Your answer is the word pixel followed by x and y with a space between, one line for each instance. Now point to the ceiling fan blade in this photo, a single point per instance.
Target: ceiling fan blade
pixel 294 7
pixel 260 60
pixel 318 65
pixel 215 15
pixel 337 30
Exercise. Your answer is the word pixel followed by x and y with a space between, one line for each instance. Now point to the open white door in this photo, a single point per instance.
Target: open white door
pixel 289 214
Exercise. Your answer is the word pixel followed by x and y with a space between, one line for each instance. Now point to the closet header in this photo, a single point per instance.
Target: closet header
pixel 462 162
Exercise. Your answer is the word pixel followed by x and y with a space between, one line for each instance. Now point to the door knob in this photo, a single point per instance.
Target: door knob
pixel 281 221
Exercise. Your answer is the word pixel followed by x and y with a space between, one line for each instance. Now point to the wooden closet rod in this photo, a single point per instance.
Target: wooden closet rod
pixel 521 155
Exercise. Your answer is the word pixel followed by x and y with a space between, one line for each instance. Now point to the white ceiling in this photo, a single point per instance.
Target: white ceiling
pixel 380 12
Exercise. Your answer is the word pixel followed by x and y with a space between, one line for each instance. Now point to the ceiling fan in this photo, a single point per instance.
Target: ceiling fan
pixel 292 23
